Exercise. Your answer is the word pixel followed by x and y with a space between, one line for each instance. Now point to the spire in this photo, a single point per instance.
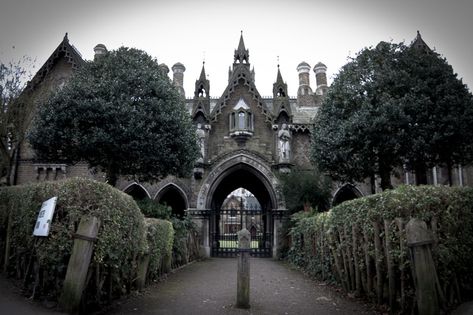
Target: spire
pixel 202 85
pixel 241 45
pixel 279 77
pixel 202 73
pixel 241 53
pixel 279 87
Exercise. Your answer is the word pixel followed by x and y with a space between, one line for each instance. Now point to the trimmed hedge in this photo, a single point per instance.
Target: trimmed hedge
pixel 123 237
pixel 160 235
pixel 346 233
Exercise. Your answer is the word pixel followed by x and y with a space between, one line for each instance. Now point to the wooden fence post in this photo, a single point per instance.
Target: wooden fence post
pixel 7 242
pixel 419 240
pixel 389 264
pixel 378 262
pixel 143 264
pixel 354 231
pixel 400 225
pixel 243 276
pixel 78 266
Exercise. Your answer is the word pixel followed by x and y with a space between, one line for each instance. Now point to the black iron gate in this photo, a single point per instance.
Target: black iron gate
pixel 225 223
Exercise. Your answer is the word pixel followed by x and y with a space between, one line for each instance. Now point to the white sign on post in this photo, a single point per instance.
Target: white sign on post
pixel 45 217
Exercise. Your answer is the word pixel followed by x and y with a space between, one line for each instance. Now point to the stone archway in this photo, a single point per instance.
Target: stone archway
pixel 242 160
pixel 174 197
pixel 242 171
pixel 344 193
pixel 137 191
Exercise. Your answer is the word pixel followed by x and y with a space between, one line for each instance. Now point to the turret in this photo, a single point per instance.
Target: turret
pixel 99 50
pixel 164 68
pixel 321 78
pixel 178 77
pixel 304 80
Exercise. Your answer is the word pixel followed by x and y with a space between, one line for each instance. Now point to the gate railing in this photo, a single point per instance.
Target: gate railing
pixel 225 223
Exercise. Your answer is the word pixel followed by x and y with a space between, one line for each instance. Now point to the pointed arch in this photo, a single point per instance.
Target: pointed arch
pixel 344 193
pixel 137 191
pixel 251 165
pixel 173 196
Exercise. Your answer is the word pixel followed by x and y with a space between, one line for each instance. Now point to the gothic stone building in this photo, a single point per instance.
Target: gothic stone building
pixel 245 141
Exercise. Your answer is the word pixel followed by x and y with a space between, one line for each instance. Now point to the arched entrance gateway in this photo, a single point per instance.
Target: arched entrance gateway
pixel 223 219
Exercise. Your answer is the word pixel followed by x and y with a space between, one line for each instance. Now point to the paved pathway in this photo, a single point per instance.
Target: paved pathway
pixel 209 287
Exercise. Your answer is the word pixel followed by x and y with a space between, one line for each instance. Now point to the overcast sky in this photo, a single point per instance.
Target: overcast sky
pixel 189 31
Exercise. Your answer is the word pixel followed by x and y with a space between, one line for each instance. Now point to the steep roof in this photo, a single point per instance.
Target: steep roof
pixel 64 51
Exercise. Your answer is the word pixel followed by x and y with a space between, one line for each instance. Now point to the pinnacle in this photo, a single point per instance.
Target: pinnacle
pixel 241 44
pixel 202 73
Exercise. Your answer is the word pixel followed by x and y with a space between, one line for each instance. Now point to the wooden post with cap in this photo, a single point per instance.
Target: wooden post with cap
pixel 243 276
pixel 78 266
pixel 419 240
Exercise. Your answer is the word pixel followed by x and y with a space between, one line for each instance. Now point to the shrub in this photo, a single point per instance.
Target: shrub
pixel 346 233
pixel 152 209
pixel 160 235
pixel 120 240
pixel 184 247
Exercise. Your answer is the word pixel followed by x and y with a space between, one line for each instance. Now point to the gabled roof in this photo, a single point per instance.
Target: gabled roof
pixel 241 74
pixel 418 43
pixel 64 50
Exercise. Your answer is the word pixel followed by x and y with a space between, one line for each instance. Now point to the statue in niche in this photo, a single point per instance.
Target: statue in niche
pixel 201 142
pixel 284 137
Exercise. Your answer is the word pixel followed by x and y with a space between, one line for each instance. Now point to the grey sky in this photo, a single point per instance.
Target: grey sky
pixel 188 30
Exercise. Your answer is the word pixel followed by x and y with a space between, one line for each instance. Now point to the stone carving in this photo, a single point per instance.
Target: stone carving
pixel 200 132
pixel 284 138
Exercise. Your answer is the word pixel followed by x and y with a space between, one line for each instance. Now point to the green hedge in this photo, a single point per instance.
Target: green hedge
pixel 185 246
pixel 121 238
pixel 160 235
pixel 317 239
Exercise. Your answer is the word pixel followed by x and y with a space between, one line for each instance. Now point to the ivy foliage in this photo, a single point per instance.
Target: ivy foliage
pixel 120 113
pixel 121 237
pixel 317 238
pixel 393 106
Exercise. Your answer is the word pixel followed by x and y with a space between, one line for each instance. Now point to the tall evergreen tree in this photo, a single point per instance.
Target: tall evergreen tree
pixel 122 114
pixel 393 106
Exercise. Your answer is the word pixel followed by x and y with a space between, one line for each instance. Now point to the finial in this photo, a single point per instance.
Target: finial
pixel 278 62
pixel 241 32
pixel 65 37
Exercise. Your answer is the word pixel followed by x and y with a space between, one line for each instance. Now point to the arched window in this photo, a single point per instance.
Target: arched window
pixel 241 121
pixel 241 118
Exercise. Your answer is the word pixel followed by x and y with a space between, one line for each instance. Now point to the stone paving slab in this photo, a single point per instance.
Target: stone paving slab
pixel 209 287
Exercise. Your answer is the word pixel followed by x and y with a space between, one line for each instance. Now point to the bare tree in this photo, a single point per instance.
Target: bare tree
pixel 14 114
